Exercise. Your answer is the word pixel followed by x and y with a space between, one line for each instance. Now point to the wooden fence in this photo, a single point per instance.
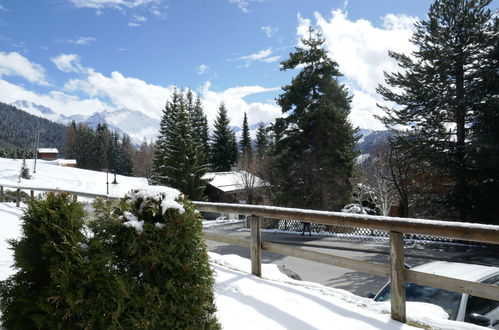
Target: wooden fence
pixel 397 227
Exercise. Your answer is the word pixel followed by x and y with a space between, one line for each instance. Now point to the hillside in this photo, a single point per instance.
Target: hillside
pixel 18 129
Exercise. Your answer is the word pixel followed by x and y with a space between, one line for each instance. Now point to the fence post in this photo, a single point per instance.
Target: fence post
pixel 397 277
pixel 1 194
pixel 18 197
pixel 256 246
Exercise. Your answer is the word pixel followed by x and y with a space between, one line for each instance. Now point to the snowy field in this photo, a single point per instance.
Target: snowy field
pixel 243 300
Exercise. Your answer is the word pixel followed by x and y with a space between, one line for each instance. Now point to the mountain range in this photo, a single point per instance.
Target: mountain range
pixel 134 123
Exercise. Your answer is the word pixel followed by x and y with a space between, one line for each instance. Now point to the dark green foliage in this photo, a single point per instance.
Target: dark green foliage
pixel 49 290
pixel 314 145
pixel 245 143
pixel 15 135
pixel 115 278
pixel 100 149
pixel 262 141
pixel 445 88
pixel 16 153
pixel 223 151
pixel 165 266
pixel 180 156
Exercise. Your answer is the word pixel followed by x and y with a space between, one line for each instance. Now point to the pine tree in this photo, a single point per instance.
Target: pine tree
pixel 25 171
pixel 70 141
pixel 125 156
pixel 199 122
pixel 166 126
pixel 102 139
pixel 314 147
pixel 442 90
pixel 181 159
pixel 245 142
pixel 223 143
pixel 262 141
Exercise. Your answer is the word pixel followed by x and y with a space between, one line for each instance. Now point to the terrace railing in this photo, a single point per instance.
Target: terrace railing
pixel 396 227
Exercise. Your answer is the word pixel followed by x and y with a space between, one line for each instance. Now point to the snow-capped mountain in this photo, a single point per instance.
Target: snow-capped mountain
pixel 38 110
pixel 134 123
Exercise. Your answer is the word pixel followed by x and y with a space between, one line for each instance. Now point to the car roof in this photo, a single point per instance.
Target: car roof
pixel 462 271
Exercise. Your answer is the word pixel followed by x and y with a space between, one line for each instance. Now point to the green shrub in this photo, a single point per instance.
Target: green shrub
pixel 155 275
pixel 161 255
pixel 56 285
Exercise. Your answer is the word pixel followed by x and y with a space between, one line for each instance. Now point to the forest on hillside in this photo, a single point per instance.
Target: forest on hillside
pixel 18 130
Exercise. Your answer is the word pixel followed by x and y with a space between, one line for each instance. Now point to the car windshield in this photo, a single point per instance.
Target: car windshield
pixel 448 300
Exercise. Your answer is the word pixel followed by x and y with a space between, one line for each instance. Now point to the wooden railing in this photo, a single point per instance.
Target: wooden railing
pixel 396 271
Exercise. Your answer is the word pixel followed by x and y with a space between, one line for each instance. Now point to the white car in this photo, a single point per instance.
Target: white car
pixel 459 306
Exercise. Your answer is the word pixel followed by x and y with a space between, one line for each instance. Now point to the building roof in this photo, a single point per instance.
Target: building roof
pixel 66 161
pixel 48 151
pixel 233 181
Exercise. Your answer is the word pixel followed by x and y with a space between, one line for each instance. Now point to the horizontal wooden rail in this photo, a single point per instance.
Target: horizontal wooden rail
pixel 395 226
pixel 457 230
pixel 71 192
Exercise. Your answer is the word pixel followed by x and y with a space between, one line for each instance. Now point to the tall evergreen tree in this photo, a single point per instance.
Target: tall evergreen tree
pixel 262 141
pixel 125 166
pixel 166 126
pixel 223 143
pixel 199 122
pixel 314 154
pixel 442 90
pixel 180 161
pixel 102 143
pixel 245 142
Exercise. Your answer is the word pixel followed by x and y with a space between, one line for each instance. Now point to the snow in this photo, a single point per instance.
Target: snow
pixel 233 181
pixel 133 222
pixel 48 151
pixel 49 175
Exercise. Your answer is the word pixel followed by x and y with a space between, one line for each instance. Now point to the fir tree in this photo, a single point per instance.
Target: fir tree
pixel 25 171
pixel 102 140
pixel 181 159
pixel 262 141
pixel 223 143
pixel 166 126
pixel 245 143
pixel 314 147
pixel 199 123
pixel 442 90
pixel 125 156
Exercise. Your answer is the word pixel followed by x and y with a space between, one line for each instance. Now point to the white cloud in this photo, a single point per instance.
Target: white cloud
pixel 81 41
pixel 123 92
pixel 14 64
pixel 2 8
pixel 269 31
pixel 118 4
pixel 361 51
pixel 68 63
pixel 202 69
pixel 137 21
pixel 237 106
pixel 261 56
pixel 244 4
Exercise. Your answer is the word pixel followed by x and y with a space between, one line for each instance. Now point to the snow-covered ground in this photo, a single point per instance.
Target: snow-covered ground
pixel 243 300
pixel 50 175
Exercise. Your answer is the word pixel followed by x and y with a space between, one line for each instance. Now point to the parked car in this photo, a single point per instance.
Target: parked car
pixel 459 306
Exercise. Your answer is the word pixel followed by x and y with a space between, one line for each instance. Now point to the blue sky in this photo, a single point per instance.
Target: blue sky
pixel 81 56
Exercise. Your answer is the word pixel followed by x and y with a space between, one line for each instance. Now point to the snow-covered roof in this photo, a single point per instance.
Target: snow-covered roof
pixel 48 150
pixel 66 161
pixel 466 272
pixel 233 181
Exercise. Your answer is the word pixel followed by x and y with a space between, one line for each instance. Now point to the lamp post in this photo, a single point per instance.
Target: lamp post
pixel 107 182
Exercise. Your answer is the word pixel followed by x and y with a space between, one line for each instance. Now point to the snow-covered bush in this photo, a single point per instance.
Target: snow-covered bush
pixel 138 264
pixel 25 171
pixel 154 240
